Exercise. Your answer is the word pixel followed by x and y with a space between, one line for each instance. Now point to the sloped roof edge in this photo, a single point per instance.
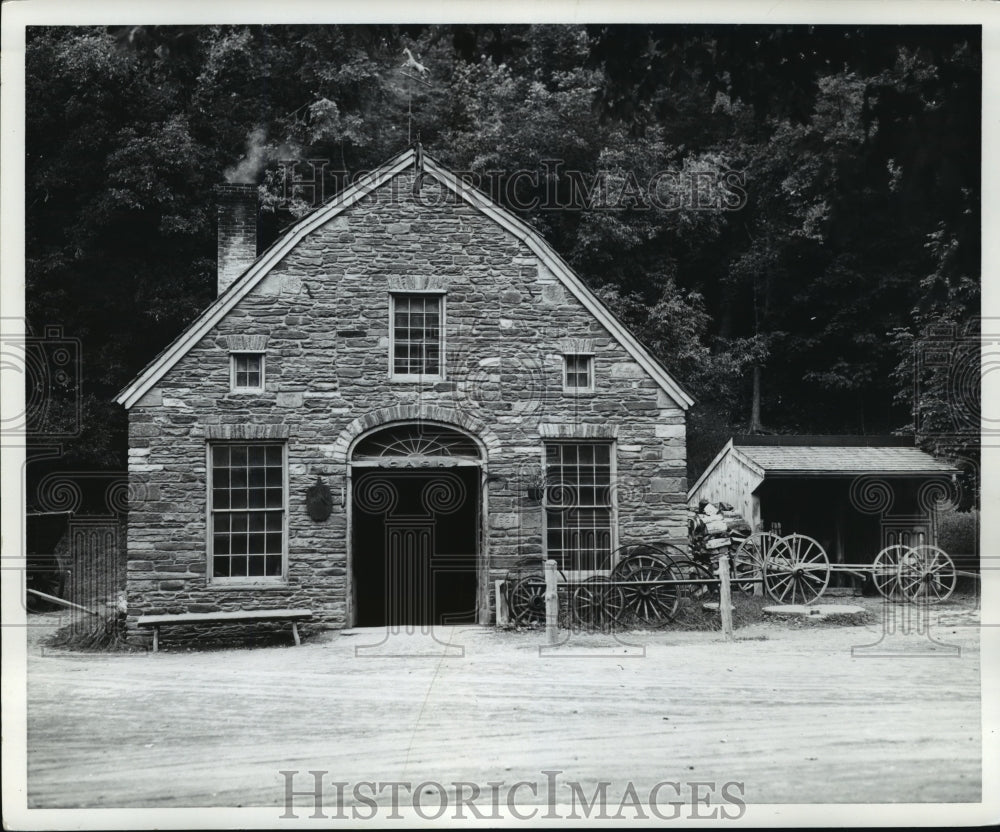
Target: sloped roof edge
pixel 728 448
pixel 259 269
pixel 242 286
pixel 533 240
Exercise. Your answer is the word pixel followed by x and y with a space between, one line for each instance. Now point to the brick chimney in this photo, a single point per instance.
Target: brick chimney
pixel 237 214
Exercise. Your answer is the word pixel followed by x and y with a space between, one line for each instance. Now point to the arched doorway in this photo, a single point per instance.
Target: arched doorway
pixel 415 526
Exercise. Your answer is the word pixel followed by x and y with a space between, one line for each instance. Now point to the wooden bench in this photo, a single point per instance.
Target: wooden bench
pixel 157 621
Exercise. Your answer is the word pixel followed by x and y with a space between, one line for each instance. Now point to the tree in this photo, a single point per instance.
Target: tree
pixel 855 152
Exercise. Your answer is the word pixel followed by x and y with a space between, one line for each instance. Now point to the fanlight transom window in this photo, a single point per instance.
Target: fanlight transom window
pixel 416 441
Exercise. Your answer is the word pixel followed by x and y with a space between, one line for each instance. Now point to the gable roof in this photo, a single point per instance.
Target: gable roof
pixel 828 460
pixel 244 284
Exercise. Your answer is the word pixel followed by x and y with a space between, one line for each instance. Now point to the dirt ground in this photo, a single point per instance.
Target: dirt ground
pixel 797 714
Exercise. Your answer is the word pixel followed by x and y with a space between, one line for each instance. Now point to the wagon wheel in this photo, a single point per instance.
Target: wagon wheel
pixel 796 570
pixel 635 562
pixel 886 570
pixel 597 603
pixel 645 601
pixel 927 573
pixel 702 587
pixel 526 599
pixel 632 555
pixel 748 560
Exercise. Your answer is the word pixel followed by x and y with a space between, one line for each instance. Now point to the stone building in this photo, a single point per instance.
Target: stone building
pixel 363 421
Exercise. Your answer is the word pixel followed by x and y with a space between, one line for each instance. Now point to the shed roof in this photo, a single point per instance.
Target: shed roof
pixel 790 456
pixel 812 459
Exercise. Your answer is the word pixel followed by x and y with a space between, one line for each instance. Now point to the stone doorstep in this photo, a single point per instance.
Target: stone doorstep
pixel 817 611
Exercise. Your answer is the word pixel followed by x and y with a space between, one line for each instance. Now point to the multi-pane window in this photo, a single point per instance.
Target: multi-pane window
pixel 247 371
pixel 579 372
pixel 578 504
pixel 416 334
pixel 247 510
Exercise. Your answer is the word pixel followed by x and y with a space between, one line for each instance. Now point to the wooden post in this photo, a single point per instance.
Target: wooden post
pixel 551 603
pixel 725 597
pixel 501 602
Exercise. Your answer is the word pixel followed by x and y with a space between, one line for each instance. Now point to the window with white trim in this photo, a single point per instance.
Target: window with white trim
pixel 247 372
pixel 578 373
pixel 417 342
pixel 579 504
pixel 247 510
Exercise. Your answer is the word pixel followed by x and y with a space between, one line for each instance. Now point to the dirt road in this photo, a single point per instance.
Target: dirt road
pixel 787 711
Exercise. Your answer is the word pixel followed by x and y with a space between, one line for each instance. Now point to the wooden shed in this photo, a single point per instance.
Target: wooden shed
pixel 854 494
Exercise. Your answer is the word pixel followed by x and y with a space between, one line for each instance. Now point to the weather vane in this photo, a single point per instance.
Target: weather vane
pixel 421 70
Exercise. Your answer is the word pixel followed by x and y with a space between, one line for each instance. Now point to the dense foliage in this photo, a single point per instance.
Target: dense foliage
pixel 794 298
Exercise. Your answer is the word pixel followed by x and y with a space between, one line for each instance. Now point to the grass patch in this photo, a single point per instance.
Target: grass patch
pixel 857 619
pixel 691 614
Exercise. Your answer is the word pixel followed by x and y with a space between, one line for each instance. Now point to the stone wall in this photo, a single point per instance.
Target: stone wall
pixel 323 313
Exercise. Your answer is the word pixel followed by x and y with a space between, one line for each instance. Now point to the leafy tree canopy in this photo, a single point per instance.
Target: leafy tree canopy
pixel 790 297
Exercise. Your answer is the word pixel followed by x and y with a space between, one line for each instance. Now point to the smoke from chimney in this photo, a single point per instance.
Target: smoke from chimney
pixel 258 155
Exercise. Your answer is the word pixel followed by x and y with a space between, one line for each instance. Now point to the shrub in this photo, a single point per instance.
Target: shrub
pixel 958 535
pixel 958 532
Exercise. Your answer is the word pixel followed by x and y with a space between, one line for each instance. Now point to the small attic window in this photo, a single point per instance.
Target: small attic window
pixel 416 335
pixel 579 373
pixel 247 372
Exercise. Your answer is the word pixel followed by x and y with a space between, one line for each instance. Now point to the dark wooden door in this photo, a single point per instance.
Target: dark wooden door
pixel 409 546
pixel 414 546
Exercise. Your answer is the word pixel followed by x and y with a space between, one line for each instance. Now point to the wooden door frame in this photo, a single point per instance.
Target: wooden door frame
pixel 482 557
